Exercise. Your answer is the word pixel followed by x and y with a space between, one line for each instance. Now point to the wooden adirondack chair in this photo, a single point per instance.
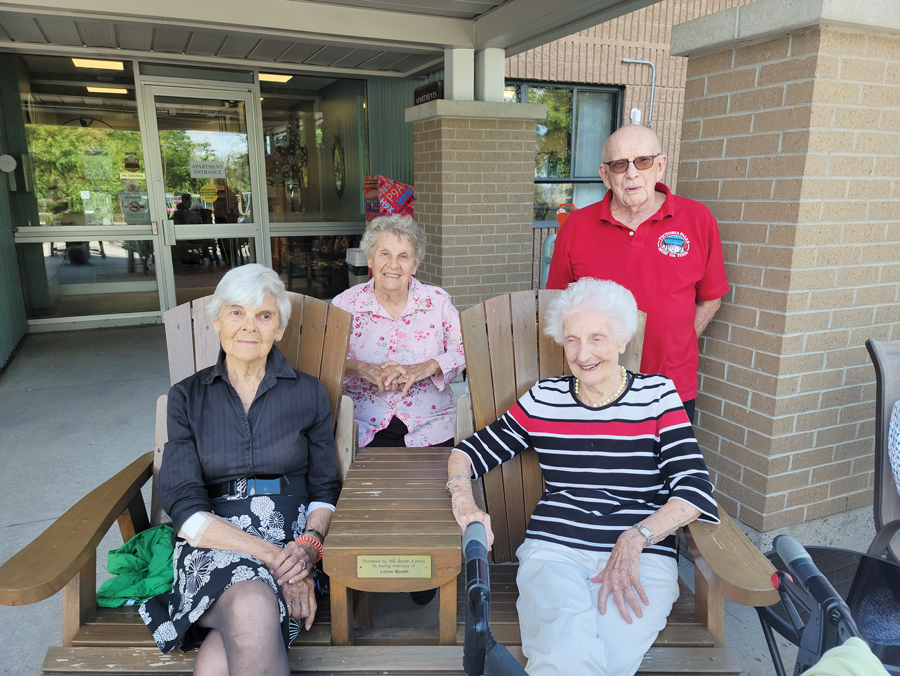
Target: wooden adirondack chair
pixel 886 359
pixel 506 353
pixel 115 640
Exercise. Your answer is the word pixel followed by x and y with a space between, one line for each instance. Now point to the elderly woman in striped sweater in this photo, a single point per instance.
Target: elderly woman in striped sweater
pixel 623 472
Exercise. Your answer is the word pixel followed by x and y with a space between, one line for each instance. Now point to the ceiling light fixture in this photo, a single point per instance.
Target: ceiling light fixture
pixel 106 90
pixel 271 77
pixel 97 63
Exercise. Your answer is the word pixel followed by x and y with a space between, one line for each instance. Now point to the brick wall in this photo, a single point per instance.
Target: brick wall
pixel 794 143
pixel 594 56
pixel 474 196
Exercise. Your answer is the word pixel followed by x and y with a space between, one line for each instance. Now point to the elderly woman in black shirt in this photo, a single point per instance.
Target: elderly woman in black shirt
pixel 250 480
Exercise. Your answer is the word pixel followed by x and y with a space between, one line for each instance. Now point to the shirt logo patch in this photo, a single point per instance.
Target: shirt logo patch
pixel 674 244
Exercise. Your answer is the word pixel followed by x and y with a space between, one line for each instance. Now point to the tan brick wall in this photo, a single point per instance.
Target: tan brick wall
pixel 794 143
pixel 594 56
pixel 474 194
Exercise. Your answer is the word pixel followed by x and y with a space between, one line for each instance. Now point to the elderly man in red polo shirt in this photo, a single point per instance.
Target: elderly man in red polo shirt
pixel 663 248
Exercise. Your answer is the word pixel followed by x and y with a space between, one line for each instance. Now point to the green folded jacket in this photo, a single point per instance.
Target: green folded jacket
pixel 142 568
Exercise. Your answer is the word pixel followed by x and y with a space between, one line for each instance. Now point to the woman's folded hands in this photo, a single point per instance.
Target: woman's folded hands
pixel 301 600
pixel 293 563
pixel 406 375
pixel 391 376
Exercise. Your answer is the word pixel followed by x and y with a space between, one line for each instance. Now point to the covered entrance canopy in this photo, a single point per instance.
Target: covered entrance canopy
pixel 400 38
pixel 289 103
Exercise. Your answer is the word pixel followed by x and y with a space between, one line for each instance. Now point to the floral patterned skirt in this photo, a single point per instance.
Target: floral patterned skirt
pixel 202 575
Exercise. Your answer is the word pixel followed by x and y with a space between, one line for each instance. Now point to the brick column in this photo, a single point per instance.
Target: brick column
pixel 791 136
pixel 474 180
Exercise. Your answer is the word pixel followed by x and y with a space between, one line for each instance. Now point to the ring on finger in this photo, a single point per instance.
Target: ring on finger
pixel 304 566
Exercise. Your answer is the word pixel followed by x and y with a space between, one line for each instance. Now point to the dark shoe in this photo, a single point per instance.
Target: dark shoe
pixel 423 598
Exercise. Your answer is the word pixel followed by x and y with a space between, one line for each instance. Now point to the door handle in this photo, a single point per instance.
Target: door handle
pixel 153 229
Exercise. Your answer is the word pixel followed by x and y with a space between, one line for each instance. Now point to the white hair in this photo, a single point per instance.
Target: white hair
pixel 249 285
pixel 400 226
pixel 601 295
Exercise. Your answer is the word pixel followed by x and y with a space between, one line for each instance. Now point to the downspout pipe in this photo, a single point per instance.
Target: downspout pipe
pixel 652 87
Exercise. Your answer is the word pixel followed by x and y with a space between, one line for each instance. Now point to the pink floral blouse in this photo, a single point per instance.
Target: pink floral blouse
pixel 427 329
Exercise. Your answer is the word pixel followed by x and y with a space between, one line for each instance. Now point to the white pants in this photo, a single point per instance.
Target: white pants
pixel 563 632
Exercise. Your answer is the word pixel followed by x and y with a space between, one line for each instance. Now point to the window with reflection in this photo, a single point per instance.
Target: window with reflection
pixel 200 264
pixel 569 142
pixel 316 265
pixel 96 277
pixel 87 169
pixel 84 141
pixel 314 139
pixel 206 159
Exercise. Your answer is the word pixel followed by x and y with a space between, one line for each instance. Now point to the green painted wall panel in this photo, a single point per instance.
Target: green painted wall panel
pixel 12 304
pixel 390 137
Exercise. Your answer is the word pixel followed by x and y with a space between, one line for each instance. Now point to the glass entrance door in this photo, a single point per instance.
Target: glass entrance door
pixel 205 186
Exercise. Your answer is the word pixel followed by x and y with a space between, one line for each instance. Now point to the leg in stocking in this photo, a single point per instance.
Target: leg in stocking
pixel 246 618
pixel 211 660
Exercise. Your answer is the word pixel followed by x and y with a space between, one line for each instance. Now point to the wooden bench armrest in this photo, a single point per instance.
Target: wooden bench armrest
pixel 47 564
pixel 730 563
pixel 346 436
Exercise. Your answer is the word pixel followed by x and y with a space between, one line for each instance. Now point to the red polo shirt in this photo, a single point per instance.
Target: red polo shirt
pixel 672 260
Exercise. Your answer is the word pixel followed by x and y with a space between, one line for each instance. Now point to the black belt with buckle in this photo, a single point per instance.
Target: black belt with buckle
pixel 242 488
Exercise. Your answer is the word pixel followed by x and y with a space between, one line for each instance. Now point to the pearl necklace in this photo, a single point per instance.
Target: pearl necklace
pixel 615 394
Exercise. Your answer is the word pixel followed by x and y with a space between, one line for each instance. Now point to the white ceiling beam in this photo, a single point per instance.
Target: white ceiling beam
pixel 296 18
pixel 520 25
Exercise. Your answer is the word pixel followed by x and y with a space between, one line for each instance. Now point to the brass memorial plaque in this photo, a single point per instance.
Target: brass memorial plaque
pixel 418 566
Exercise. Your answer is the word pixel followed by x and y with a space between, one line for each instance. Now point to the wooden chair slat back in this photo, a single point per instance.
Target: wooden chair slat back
pixel 315 341
pixel 334 354
pixel 506 353
pixel 552 358
pixel 312 336
pixel 206 340
pixel 180 342
pixel 290 341
pixel 498 317
pixel 631 359
pixel 161 435
pixel 525 345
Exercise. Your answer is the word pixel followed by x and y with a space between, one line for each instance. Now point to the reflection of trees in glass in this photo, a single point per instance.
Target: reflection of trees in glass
pixel 178 149
pixel 58 157
pixel 548 197
pixel 554 134
pixel 236 158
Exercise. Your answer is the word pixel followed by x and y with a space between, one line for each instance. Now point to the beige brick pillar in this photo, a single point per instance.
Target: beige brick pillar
pixel 791 136
pixel 474 180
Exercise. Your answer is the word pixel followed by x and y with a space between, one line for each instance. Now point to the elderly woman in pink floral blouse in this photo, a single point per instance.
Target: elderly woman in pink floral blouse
pixel 406 347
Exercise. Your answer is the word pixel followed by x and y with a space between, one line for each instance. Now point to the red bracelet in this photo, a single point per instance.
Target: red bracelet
pixel 315 543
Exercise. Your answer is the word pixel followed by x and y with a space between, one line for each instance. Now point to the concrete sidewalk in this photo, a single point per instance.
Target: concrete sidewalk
pixel 77 407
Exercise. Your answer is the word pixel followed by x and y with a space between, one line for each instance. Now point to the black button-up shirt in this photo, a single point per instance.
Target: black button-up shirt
pixel 288 430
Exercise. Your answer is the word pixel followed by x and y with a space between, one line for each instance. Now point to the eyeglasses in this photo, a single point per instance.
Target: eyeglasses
pixel 640 163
